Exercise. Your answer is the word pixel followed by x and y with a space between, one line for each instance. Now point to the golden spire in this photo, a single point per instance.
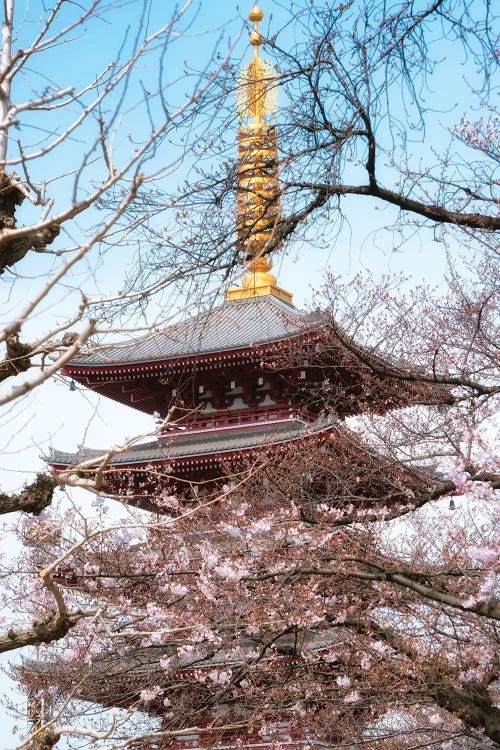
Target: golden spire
pixel 258 197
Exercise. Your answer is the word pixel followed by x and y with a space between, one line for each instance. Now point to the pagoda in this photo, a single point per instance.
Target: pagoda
pixel 243 378
pixel 251 379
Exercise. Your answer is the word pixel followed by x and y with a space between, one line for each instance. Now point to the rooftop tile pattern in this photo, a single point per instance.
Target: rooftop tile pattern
pixel 237 324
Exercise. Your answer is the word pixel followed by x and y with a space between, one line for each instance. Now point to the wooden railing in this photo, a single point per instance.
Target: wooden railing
pixel 224 419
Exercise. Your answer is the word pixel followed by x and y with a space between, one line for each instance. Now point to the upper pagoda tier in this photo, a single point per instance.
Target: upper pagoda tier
pixel 247 357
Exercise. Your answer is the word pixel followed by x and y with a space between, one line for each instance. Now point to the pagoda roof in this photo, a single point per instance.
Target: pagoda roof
pixel 117 677
pixel 234 325
pixel 199 445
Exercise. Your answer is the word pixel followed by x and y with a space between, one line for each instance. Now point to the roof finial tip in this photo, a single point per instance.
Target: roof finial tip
pixel 255 14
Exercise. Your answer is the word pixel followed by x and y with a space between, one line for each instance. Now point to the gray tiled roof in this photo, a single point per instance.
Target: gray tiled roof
pixel 141 661
pixel 199 445
pixel 234 325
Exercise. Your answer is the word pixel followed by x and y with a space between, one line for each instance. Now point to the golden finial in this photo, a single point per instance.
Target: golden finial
pixel 255 15
pixel 258 199
pixel 257 95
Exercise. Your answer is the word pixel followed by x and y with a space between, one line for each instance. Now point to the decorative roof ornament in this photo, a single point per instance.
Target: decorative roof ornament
pixel 258 208
pixel 257 95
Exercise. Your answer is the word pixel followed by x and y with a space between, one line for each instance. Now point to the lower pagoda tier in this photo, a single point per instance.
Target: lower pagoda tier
pixel 163 477
pixel 189 465
pixel 119 679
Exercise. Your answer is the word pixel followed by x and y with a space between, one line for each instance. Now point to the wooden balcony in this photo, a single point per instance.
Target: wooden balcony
pixel 227 419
